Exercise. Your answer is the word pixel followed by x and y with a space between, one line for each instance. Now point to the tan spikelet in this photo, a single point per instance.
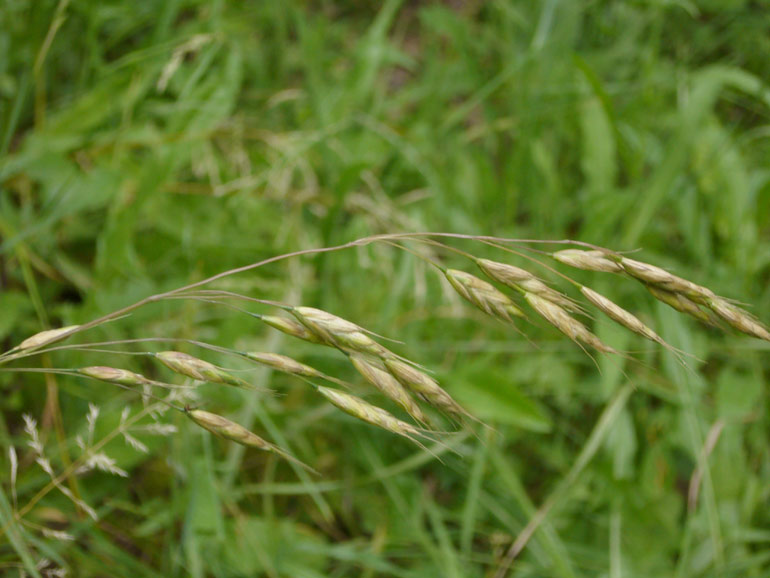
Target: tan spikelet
pixel 388 385
pixel 587 260
pixel 114 375
pixel 369 413
pixel 232 431
pixel 198 369
pixel 739 319
pixel 338 332
pixel 44 338
pixel 682 304
pixel 283 363
pixel 565 323
pixel 524 281
pixel 291 327
pixel 483 295
pixel 620 315
pixel 424 385
pixel 661 278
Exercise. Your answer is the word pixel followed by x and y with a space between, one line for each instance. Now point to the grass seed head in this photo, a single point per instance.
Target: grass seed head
pixel 522 280
pixel 369 413
pixel 483 295
pixel 661 278
pixel 44 337
pixel 283 363
pixel 682 304
pixel 291 327
pixel 114 375
pixel 338 332
pixel 620 315
pixel 232 431
pixel 564 322
pixel 198 369
pixel 388 385
pixel 587 260
pixel 424 385
pixel 739 319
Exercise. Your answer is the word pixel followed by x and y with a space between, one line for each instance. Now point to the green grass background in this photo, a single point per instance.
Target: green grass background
pixel 145 145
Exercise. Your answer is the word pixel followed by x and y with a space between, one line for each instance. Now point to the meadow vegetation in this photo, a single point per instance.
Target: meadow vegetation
pixel 613 422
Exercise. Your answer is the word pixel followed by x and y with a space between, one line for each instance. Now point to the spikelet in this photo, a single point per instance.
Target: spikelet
pixel 565 323
pixel 587 260
pixel 338 332
pixel 661 278
pixel 483 295
pixel 738 319
pixel 232 431
pixel 523 280
pixel 291 327
pixel 620 315
pixel 283 363
pixel 388 385
pixel 369 413
pixel 682 304
pixel 198 369
pixel 424 385
pixel 44 338
pixel 114 375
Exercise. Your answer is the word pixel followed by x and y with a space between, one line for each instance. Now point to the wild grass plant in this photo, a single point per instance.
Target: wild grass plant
pixel 564 422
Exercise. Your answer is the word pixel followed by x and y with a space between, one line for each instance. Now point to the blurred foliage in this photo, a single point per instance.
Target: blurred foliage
pixel 145 145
